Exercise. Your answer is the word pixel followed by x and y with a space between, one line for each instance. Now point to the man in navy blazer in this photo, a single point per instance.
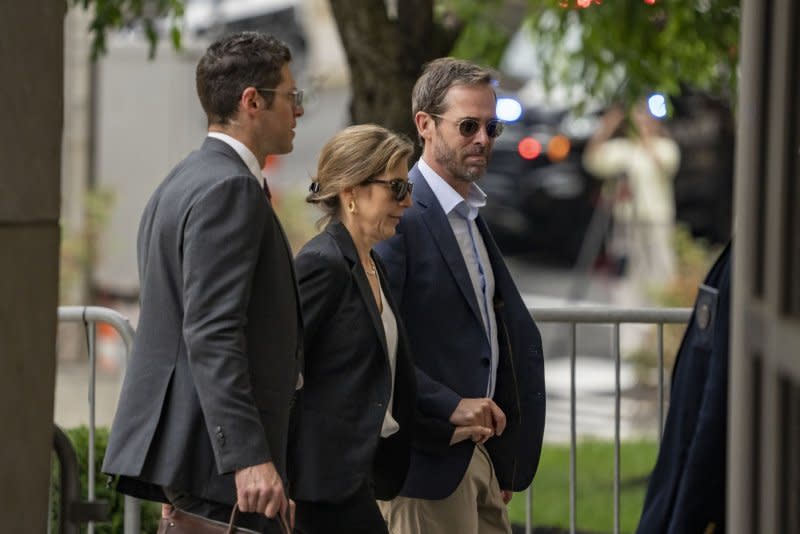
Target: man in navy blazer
pixel 478 352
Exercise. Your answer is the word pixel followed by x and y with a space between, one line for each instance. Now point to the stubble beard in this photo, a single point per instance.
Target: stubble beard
pixel 448 158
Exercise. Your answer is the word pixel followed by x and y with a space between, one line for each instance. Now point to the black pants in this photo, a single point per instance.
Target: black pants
pixel 221 512
pixel 358 514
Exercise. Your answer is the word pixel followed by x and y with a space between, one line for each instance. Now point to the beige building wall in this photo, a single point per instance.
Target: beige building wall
pixel 327 64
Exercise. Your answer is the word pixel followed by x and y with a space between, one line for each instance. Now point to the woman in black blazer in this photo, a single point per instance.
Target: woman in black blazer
pixel 355 412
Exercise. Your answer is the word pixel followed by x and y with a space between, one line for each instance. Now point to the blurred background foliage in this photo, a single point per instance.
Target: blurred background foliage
pixel 693 257
pixel 79 436
pixel 626 50
pixel 115 14
pixel 623 50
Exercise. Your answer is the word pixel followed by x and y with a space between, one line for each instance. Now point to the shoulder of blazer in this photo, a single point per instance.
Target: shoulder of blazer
pixel 219 160
pixel 341 237
pixel 322 253
pixel 214 145
pixel 323 246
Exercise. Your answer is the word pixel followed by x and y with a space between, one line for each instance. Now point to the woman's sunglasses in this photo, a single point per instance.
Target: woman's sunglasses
pixel 469 126
pixel 400 188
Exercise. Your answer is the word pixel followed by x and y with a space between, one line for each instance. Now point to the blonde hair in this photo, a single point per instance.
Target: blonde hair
pixel 351 157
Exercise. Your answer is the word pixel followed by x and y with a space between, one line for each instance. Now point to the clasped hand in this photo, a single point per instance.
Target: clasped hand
pixel 477 419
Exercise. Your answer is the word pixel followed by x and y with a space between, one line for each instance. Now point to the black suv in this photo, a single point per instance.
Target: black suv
pixel 540 197
pixel 542 205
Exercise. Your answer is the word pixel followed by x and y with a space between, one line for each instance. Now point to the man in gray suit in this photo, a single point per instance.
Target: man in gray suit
pixel 203 416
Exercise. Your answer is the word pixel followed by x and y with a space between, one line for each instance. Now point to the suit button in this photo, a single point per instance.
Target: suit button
pixel 704 316
pixel 485 362
pixel 379 404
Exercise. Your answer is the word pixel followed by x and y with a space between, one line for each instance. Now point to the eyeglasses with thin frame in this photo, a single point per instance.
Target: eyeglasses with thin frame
pixel 468 127
pixel 295 94
pixel 400 187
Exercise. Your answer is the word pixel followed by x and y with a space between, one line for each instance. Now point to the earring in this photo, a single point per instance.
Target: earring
pixel 351 206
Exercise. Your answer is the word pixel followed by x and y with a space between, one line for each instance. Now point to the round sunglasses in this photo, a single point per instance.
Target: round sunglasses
pixel 400 187
pixel 469 126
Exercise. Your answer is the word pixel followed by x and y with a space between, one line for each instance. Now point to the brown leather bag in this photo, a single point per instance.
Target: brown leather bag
pixel 180 522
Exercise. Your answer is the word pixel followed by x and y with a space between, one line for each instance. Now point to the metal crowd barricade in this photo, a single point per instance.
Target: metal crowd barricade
pixel 570 315
pixel 90 316
pixel 574 315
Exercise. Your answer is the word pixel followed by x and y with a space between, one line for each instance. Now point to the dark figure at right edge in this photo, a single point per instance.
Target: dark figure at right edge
pixel 686 494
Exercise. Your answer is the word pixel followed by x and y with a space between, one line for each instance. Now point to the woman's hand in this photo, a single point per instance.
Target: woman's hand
pixel 477 433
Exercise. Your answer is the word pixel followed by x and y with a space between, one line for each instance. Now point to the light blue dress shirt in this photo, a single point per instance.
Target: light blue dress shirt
pixel 461 214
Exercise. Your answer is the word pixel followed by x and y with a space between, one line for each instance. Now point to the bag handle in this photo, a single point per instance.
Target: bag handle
pixel 232 523
pixel 235 513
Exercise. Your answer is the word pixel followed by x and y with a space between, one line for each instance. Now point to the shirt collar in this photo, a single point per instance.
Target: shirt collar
pixel 449 198
pixel 245 153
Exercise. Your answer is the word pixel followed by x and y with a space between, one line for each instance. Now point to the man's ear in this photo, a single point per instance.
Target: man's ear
pixel 424 124
pixel 250 100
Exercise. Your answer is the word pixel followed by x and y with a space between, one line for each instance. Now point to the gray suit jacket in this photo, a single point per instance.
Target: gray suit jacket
pixel 219 341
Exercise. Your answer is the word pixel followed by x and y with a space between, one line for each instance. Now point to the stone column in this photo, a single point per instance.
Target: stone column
pixel 31 60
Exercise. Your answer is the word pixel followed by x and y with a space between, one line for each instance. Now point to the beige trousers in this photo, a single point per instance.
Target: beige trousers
pixel 475 507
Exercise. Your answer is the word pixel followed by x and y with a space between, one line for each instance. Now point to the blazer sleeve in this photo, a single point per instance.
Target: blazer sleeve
pixel 221 239
pixel 321 282
pixel 700 495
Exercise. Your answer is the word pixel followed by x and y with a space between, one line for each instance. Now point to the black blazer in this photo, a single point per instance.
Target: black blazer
pixel 336 444
pixel 218 345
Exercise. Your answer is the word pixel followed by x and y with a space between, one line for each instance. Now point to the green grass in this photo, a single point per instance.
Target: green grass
pixel 595 486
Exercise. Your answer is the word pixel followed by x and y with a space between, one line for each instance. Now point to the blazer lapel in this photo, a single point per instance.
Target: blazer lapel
pixel 348 248
pixel 442 232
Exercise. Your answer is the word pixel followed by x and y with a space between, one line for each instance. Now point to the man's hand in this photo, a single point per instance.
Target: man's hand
pixel 506 495
pixel 481 412
pixel 478 434
pixel 259 489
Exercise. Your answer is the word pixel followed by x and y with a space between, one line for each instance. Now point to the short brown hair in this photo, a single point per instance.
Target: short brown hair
pixel 438 76
pixel 234 63
pixel 350 158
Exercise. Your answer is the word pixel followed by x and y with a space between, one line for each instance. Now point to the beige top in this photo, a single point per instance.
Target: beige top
pixel 650 168
pixel 390 424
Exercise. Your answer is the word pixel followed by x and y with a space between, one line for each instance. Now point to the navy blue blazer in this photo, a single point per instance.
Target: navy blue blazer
pixel 686 492
pixel 451 351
